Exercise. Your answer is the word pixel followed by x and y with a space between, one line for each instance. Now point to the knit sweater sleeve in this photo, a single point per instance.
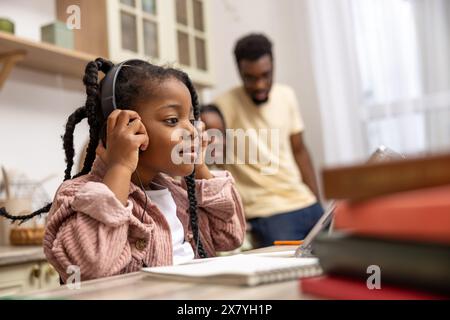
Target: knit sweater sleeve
pixel 219 198
pixel 87 228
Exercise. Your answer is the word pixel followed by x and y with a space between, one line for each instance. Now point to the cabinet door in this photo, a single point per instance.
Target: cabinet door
pixel 49 276
pixel 192 34
pixel 173 32
pixel 134 29
pixel 20 278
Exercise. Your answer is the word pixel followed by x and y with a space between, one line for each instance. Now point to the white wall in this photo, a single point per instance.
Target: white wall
pixel 33 111
pixel 34 106
pixel 28 15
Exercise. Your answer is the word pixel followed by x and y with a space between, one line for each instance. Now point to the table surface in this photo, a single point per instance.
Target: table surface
pixel 139 285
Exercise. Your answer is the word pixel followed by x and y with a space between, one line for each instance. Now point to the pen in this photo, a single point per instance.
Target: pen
pixel 288 242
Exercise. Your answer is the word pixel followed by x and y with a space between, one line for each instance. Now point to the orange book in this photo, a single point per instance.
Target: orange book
pixel 419 215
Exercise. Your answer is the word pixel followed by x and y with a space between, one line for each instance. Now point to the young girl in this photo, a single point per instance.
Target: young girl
pixel 101 220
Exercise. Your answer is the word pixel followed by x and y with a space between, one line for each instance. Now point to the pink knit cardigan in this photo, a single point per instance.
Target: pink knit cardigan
pixel 88 227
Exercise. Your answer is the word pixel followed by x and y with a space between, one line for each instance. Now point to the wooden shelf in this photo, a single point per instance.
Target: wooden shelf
pixel 49 58
pixel 46 57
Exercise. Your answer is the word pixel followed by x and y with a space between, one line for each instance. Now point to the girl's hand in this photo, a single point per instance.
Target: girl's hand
pixel 203 143
pixel 201 170
pixel 126 134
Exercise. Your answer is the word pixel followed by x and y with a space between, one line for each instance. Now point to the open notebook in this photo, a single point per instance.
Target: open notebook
pixel 242 269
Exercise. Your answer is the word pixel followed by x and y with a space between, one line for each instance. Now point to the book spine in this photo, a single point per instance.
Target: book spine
pixel 416 265
pixel 347 288
pixel 427 221
pixel 370 180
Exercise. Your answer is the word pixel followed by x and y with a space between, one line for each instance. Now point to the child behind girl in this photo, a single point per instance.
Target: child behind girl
pixel 214 122
pixel 100 220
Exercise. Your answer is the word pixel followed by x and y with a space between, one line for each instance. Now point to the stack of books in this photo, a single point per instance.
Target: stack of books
pixel 392 238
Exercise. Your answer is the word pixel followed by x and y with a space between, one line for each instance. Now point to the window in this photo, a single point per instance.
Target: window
pixel 388 51
pixel 388 54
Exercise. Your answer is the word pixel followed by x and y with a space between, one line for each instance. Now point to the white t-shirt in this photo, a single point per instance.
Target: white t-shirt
pixel 182 250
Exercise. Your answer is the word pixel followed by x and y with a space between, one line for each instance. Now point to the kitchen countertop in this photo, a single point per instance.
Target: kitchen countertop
pixel 20 254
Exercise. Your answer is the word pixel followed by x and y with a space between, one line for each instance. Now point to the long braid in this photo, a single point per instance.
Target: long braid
pixel 67 138
pixel 90 80
pixel 190 180
pixel 24 218
pixel 72 121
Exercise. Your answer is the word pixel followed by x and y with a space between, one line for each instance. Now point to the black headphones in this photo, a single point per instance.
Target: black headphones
pixel 108 96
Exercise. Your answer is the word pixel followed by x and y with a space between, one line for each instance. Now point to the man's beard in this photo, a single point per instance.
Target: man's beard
pixel 259 102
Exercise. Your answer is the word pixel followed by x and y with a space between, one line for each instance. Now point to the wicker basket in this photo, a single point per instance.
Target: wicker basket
pixel 30 232
pixel 26 236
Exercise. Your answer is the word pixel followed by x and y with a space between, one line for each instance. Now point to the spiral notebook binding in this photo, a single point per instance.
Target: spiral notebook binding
pixel 284 274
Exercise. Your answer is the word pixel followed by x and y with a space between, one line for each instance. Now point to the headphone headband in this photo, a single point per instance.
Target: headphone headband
pixel 108 96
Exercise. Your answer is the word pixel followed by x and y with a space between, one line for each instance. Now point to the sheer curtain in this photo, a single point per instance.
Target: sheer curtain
pixel 337 79
pixel 382 68
pixel 433 20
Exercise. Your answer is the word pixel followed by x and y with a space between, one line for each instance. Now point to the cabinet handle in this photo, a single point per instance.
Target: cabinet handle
pixel 35 273
pixel 49 273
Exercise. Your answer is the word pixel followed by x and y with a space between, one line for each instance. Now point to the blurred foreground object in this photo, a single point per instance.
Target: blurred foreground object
pixel 372 179
pixel 393 226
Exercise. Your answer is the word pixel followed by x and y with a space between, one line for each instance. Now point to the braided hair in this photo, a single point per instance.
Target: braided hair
pixel 130 82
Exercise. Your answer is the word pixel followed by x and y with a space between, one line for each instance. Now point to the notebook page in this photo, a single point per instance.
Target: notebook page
pixel 238 265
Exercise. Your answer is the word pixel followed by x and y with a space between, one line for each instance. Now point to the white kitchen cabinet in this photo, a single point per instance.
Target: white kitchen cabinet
pixel 173 32
pixel 24 269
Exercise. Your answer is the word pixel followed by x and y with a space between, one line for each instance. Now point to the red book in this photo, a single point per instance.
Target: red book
pixel 349 289
pixel 420 215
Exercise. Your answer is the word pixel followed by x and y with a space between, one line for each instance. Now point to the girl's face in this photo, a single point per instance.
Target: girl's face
pixel 214 122
pixel 167 116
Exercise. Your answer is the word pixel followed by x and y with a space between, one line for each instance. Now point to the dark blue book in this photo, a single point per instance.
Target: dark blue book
pixel 416 265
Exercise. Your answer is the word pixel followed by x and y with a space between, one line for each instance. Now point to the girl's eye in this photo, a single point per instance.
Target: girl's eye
pixel 171 121
pixel 192 121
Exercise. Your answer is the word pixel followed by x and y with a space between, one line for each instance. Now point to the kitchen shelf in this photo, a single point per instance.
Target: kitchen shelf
pixel 45 57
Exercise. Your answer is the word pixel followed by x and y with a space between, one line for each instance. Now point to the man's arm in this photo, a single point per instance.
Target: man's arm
pixel 304 163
